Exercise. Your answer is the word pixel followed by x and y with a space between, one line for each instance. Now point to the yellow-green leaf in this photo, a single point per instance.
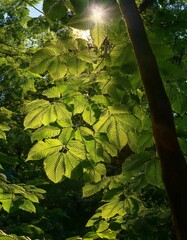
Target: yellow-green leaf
pixel 43 149
pixel 99 34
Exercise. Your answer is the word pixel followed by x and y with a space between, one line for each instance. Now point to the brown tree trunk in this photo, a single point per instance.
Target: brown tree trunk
pixel 173 164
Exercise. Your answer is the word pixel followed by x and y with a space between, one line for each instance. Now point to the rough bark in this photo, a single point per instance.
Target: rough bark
pixel 172 161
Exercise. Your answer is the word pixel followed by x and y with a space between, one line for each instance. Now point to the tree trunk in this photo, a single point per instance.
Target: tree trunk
pixel 173 164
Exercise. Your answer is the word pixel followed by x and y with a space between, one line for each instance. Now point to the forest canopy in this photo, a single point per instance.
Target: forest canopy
pixel 78 158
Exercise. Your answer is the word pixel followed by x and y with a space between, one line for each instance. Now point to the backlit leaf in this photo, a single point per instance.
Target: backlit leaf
pixel 65 135
pixel 57 69
pixel 54 166
pixel 91 189
pixel 109 124
pixel 99 34
pixel 7 204
pixel 27 205
pixel 2 135
pixel 45 132
pixel 76 66
pixel 63 115
pixel 89 115
pixel 153 173
pixel 114 207
pixel 43 149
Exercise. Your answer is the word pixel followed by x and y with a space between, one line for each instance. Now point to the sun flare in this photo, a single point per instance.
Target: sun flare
pixel 98 13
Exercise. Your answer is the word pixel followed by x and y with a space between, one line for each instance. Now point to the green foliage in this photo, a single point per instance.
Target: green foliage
pixel 75 104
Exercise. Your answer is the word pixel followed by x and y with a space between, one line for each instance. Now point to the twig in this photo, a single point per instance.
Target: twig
pixel 33 6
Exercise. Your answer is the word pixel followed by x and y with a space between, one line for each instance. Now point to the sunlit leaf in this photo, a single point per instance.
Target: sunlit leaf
pixel 57 69
pixel 32 197
pixel 2 135
pixel 43 149
pixel 7 204
pixel 27 205
pixel 153 173
pixel 95 150
pixel 63 115
pixel 76 66
pixel 65 135
pixel 89 115
pixel 109 124
pixel 99 34
pixel 90 189
pixel 115 206
pixel 45 132
pixel 54 166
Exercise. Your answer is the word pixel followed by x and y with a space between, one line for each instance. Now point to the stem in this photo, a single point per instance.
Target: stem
pixel 33 6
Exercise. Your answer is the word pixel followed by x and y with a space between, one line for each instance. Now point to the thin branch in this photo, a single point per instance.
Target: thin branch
pixel 33 6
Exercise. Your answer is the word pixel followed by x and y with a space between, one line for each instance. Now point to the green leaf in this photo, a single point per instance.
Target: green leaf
pixel 153 173
pixel 79 6
pixel 27 205
pixel 108 234
pixel 32 197
pixel 109 124
pixel 66 135
pixel 82 21
pixel 76 66
pixel 63 115
pixel 57 69
pixel 54 9
pixel 115 206
pixel 135 164
pixel 42 60
pixel 83 133
pixel 91 189
pixel 45 132
pixel 4 127
pixel 28 85
pixel 131 205
pixel 54 92
pixel 86 56
pixel 5 196
pixel 54 166
pixel 89 115
pixel 77 149
pixel 95 173
pixel 7 204
pixel 3 177
pixel 72 163
pixel 98 34
pixel 139 141
pixel 2 135
pixel 48 115
pixel 80 102
pixel 35 104
pixel 103 225
pixel 95 150
pixel 58 165
pixel 43 149
pixel 35 110
pixel 110 148
pixel 101 99
pixel 5 237
pixel 52 59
